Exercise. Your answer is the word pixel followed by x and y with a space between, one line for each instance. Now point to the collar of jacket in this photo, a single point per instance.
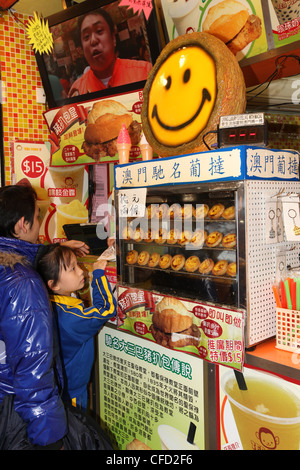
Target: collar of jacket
pixel 14 251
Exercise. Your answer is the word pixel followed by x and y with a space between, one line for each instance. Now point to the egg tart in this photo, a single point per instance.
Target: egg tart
pixel 216 211
pixel 214 239
pixel 220 267
pixel 165 261
pixel 192 264
pixel 132 257
pixel 177 262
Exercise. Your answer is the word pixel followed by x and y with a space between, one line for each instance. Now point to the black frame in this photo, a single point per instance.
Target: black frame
pixel 75 11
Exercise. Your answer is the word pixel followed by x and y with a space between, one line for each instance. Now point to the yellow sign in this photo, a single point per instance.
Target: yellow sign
pixel 39 35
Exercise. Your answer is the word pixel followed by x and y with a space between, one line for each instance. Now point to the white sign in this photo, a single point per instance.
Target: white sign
pixel 132 202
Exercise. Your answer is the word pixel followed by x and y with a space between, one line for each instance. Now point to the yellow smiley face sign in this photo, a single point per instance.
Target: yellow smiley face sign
pixel 195 80
pixel 182 96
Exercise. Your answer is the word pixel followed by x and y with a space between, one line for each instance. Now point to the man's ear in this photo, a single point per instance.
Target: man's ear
pixel 21 227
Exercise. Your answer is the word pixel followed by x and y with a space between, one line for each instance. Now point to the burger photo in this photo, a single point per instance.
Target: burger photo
pixel 104 123
pixel 172 325
pixel 231 22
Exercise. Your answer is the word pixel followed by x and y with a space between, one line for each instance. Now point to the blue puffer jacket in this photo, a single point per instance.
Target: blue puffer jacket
pixel 29 363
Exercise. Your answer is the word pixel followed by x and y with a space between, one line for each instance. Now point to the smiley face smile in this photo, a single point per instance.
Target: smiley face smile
pixel 205 97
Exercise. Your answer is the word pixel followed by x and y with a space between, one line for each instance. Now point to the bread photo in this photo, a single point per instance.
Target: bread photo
pixel 104 123
pixel 172 324
pixel 233 23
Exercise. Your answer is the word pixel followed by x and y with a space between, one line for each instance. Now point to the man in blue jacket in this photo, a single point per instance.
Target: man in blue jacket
pixel 30 371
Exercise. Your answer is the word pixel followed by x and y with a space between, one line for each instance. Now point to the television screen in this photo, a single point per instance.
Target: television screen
pixel 99 48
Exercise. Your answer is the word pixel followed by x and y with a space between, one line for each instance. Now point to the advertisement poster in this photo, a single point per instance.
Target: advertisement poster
pixel 62 192
pixel 87 132
pixel 240 24
pixel 266 416
pixel 215 334
pixel 150 398
pixel 285 21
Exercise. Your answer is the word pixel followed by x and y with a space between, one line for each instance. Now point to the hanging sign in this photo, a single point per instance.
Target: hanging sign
pixel 39 35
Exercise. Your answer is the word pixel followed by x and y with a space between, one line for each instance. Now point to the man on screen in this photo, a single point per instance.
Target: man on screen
pixel 97 34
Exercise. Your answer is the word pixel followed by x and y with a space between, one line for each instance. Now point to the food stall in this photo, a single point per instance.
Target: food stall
pixel 194 243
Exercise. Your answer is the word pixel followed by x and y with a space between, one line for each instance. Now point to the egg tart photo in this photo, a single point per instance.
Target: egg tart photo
pixel 192 264
pixel 216 211
pixel 229 213
pixel 231 270
pixel 143 258
pixel 177 262
pixel 132 257
pixel 220 268
pixel 165 261
pixel 153 260
pixel 206 266
pixel 214 239
pixel 229 240
pixel 201 211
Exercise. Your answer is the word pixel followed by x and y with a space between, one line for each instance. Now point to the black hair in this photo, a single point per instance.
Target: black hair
pixel 16 201
pixel 50 260
pixel 98 11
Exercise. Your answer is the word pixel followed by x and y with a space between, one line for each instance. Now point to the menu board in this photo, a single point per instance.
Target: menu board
pixel 212 333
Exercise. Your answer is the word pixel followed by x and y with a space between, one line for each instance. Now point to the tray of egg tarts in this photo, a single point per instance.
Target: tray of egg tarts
pixel 204 238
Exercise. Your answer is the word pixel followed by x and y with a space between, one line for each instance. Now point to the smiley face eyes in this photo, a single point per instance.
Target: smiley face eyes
pixel 168 84
pixel 186 77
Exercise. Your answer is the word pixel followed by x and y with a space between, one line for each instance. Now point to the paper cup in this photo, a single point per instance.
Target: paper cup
pixel 267 415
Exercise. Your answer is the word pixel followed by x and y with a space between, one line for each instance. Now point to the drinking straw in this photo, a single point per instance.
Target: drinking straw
pixel 240 380
pixel 288 294
pixel 276 295
pixel 298 293
pixel 191 433
pixel 293 294
pixel 283 295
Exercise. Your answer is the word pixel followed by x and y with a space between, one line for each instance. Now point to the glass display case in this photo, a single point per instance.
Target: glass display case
pixel 219 255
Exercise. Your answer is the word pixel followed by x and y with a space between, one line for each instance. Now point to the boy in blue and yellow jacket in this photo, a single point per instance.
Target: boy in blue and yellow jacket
pixel 77 325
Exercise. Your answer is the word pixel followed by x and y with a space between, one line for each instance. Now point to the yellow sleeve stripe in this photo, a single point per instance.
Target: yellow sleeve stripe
pixel 109 296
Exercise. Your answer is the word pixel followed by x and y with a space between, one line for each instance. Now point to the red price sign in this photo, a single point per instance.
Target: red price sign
pixel 32 166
